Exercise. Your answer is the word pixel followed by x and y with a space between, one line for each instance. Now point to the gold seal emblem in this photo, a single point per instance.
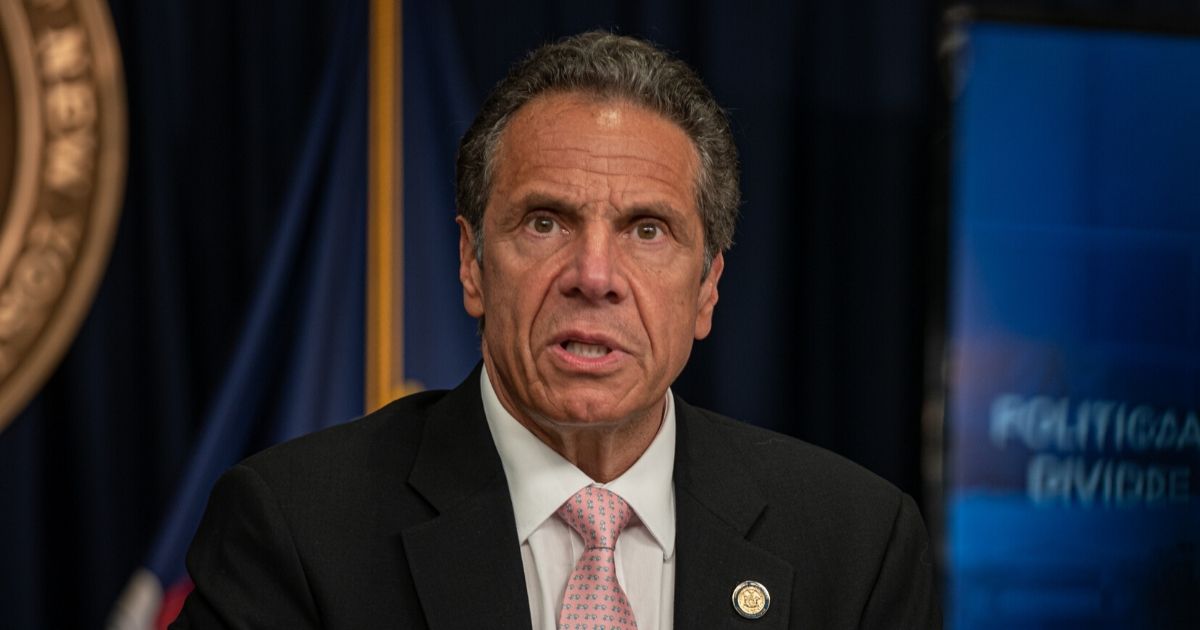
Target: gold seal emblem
pixel 751 599
pixel 62 166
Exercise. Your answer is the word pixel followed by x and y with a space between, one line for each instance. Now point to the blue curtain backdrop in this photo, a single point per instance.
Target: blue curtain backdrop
pixel 233 168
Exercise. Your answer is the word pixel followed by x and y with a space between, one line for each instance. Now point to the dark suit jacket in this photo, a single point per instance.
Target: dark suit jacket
pixel 403 520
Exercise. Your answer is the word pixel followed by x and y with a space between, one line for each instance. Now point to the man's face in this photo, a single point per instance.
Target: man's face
pixel 592 262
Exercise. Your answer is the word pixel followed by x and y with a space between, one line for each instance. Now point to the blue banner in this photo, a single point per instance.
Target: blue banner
pixel 1074 375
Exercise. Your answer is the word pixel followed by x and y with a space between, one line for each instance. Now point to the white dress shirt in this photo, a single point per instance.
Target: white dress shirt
pixel 540 480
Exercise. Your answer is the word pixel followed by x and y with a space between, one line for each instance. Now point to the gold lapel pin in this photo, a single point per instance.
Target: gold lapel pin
pixel 751 599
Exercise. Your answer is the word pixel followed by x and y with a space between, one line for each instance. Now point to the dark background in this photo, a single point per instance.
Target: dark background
pixel 829 298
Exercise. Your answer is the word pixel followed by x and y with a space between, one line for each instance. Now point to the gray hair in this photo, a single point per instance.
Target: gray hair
pixel 609 66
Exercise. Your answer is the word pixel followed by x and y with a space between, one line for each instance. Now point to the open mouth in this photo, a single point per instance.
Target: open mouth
pixel 585 350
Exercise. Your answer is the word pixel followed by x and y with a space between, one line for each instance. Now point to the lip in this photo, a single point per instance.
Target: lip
pixel 616 354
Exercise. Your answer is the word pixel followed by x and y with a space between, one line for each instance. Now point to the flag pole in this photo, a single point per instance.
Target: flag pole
pixel 385 247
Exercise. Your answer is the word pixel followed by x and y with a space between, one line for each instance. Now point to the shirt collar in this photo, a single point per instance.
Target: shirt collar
pixel 540 480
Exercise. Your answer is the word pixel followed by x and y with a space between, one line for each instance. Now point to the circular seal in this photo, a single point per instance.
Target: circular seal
pixel 62 168
pixel 751 599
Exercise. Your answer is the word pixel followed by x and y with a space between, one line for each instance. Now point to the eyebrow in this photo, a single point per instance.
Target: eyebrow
pixel 658 208
pixel 538 199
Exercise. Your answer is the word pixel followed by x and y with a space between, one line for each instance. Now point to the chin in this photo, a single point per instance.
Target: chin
pixel 582 411
pixel 587 419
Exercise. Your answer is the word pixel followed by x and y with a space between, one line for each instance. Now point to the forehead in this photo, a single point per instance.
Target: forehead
pixel 576 131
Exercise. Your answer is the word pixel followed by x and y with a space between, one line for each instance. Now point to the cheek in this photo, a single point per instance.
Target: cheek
pixel 513 299
pixel 669 320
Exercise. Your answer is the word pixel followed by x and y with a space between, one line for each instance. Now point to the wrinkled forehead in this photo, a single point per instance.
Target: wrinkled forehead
pixel 570 127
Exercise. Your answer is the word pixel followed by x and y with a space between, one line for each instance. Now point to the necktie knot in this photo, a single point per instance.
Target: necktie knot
pixel 598 515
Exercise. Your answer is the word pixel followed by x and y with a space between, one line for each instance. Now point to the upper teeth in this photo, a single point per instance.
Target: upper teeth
pixel 586 349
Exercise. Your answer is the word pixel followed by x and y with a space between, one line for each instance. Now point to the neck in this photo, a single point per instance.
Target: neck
pixel 603 451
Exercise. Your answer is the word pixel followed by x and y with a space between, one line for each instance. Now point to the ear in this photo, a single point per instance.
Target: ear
pixel 708 296
pixel 469 272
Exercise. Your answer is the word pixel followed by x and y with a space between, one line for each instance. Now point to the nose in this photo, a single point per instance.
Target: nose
pixel 595 270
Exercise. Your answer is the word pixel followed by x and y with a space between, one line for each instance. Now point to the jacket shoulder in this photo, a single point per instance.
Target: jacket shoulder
pixel 787 465
pixel 841 507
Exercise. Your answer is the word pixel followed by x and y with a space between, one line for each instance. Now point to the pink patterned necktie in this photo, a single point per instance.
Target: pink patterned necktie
pixel 593 599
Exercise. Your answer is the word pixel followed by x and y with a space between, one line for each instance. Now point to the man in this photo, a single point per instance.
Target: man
pixel 562 484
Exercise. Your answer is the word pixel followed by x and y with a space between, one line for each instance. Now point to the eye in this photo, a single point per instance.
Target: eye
pixel 647 231
pixel 543 224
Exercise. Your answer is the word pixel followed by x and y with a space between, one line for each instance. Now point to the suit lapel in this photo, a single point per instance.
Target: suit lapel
pixel 466 561
pixel 717 504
